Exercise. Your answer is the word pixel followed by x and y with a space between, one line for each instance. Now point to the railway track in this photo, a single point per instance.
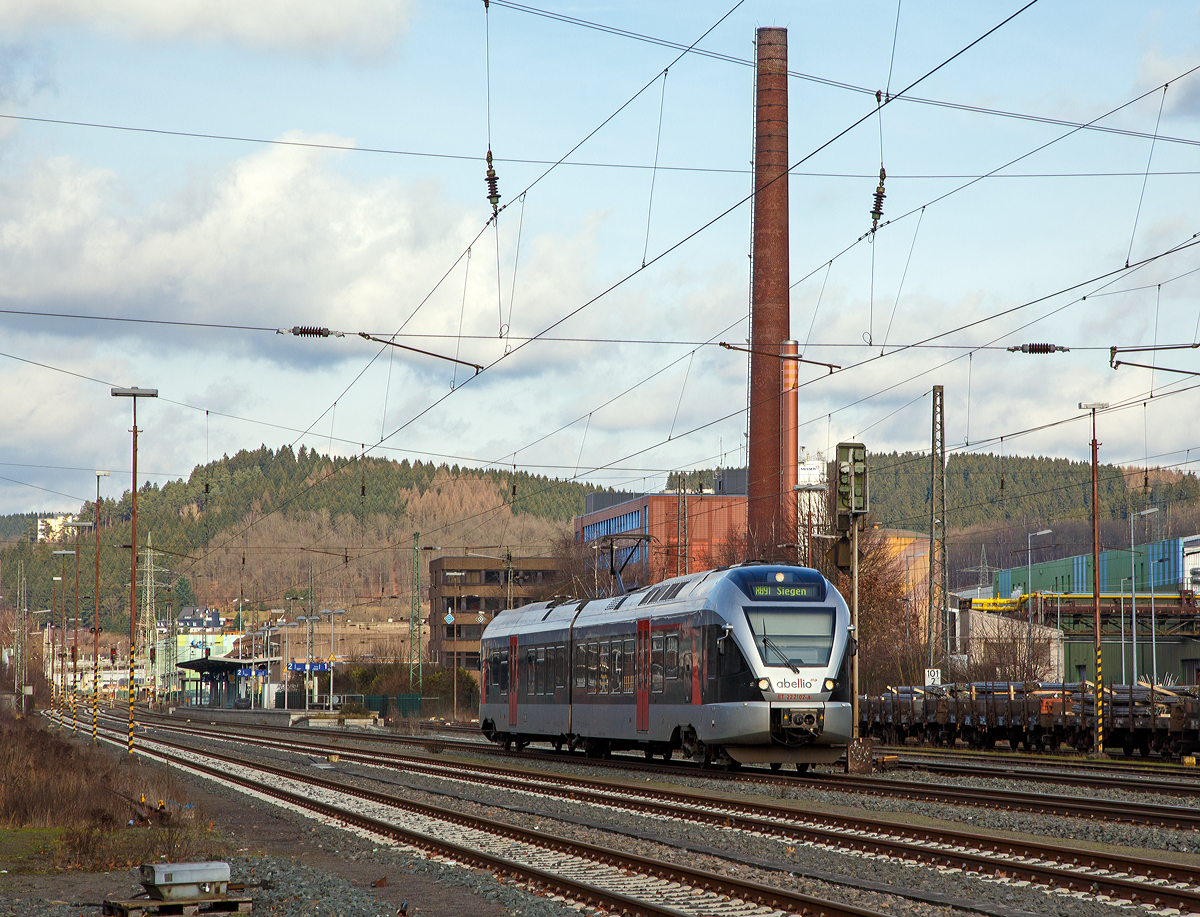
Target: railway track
pixel 622 883
pixel 1181 817
pixel 1139 880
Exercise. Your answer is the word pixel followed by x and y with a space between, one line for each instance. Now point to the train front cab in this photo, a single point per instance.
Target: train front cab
pixel 781 693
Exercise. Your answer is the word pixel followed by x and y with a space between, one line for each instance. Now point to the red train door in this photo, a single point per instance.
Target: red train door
pixel 643 675
pixel 513 681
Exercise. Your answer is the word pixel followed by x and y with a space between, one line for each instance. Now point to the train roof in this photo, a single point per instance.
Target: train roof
pixel 556 616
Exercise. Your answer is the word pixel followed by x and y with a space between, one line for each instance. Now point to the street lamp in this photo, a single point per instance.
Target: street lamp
pixel 1029 594
pixel 1153 624
pixel 286 626
pixel 134 394
pixel 809 489
pixel 76 525
pixel 1133 586
pixel 332 649
pixel 908 558
pixel 453 622
pixel 1095 406
pixel 55 700
pixel 62 694
pixel 96 619
pixel 307 621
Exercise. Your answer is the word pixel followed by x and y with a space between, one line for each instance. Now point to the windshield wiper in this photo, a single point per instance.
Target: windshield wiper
pixel 768 642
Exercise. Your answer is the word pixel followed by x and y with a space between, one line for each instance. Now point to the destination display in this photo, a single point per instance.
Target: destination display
pixel 794 591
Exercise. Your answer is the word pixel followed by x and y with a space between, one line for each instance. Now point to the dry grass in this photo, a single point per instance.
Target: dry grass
pixel 110 814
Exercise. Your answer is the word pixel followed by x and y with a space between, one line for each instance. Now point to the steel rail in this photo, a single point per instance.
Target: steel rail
pixel 977 852
pixel 699 880
pixel 1149 814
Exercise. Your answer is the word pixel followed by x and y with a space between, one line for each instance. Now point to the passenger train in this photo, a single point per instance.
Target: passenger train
pixel 741 665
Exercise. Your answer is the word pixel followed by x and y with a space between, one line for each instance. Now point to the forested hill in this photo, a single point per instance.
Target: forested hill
pixel 265 481
pixel 261 523
pixel 986 490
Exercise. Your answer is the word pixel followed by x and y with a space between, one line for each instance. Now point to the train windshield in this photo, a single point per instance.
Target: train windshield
pixel 788 636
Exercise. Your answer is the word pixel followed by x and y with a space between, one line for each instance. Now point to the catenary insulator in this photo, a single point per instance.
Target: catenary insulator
pixel 1038 348
pixel 493 184
pixel 310 331
pixel 877 210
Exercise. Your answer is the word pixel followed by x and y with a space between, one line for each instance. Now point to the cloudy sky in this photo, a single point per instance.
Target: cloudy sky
pixel 340 183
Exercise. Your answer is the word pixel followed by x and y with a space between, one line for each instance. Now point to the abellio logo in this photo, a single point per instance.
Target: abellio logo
pixel 795 684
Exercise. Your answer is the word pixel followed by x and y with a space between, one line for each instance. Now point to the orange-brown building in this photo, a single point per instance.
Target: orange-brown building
pixel 656 536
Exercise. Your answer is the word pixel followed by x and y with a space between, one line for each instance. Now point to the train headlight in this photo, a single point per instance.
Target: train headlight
pixel 764 684
pixel 830 684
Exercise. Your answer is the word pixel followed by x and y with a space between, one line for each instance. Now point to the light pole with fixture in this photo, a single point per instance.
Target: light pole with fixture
pixel 908 592
pixel 77 525
pixel 1095 406
pixel 286 626
pixel 134 394
pixel 332 649
pixel 55 699
pixel 308 621
pixel 1133 586
pixel 62 694
pixel 96 618
pixel 809 489
pixel 1029 594
pixel 453 622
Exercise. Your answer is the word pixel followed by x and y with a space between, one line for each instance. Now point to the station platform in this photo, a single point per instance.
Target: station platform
pixel 259 717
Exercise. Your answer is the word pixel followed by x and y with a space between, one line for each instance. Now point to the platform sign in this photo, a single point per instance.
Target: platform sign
pixel 307 667
pixel 933 677
pixel 245 672
pixel 449 617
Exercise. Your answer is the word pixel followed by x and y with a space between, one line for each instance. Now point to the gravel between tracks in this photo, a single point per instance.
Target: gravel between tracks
pixel 813 870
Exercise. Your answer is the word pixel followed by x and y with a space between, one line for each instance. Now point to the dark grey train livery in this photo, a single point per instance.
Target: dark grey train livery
pixel 740 665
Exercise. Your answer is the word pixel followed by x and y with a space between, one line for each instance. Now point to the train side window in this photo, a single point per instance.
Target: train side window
pixel 504 672
pixel 687 667
pixel 531 669
pixel 580 665
pixel 561 679
pixel 656 663
pixel 593 660
pixel 630 664
pixel 541 670
pixel 602 679
pixel 672 661
pixel 618 667
pixel 713 633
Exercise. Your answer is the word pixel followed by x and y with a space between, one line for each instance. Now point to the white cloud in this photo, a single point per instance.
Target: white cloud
pixel 360 29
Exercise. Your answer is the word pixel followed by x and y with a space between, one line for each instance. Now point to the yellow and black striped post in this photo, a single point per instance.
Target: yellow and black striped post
pixel 131 698
pixel 1099 704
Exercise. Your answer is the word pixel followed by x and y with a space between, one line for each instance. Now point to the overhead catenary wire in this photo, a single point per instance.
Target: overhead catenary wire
pixel 654 172
pixel 952 59
pixel 1149 160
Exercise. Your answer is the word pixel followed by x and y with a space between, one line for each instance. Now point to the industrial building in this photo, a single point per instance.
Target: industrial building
pixel 470 591
pixel 1150 623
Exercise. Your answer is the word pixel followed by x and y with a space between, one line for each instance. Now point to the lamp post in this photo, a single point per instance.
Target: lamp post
pixel 134 394
pixel 907 591
pixel 459 574
pixel 1124 579
pixel 54 698
pixel 1133 586
pixel 1153 623
pixel 332 649
pixel 809 489
pixel 1029 594
pixel 96 617
pixel 62 694
pixel 1095 406
pixel 77 525
pixel 307 620
pixel 286 626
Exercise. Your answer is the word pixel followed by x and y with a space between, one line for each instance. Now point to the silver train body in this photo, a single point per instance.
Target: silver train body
pixel 742 665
